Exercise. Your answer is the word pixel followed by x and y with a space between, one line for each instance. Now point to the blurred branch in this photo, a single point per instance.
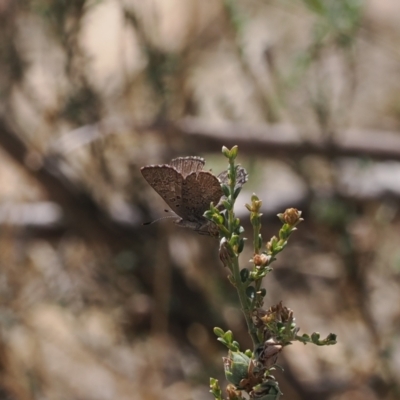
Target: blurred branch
pixel 80 209
pixel 94 224
pixel 278 140
pixel 267 96
pixel 92 221
pixel 262 139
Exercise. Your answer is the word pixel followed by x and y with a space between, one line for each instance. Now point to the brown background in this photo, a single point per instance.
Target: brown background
pixel 96 306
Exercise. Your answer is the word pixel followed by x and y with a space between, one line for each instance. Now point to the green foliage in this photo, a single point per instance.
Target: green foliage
pixel 226 338
pixel 338 18
pixel 336 25
pixel 215 389
pixel 270 329
pixel 236 367
pixel 235 16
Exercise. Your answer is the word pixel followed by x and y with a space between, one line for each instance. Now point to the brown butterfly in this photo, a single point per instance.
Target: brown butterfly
pixel 189 190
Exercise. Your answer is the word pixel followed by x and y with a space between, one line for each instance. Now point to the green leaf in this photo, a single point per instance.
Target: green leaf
pixel 226 190
pixel 315 337
pixel 249 353
pixel 218 219
pixel 215 389
pixel 244 274
pixel 226 152
pixel 223 341
pixel 218 332
pixel 234 240
pixel 235 345
pixel 236 192
pixel 227 205
pixel 228 336
pixel 234 152
pixel 241 245
pixel 250 292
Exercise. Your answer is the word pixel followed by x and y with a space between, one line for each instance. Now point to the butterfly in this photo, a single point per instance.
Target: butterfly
pixel 189 190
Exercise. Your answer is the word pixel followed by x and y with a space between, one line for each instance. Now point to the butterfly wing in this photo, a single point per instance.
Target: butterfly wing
pixel 188 190
pixel 198 191
pixel 167 182
pixel 204 227
pixel 241 177
pixel 187 165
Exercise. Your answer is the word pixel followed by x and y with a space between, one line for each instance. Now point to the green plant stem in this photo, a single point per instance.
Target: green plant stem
pixel 257 287
pixel 246 309
pixel 240 287
pixel 256 232
pixel 231 213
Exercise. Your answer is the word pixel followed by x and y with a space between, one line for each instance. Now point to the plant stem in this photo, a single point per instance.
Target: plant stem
pixel 256 233
pixel 246 309
pixel 240 287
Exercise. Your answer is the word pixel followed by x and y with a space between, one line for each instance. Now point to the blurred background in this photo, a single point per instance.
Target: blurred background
pixel 96 306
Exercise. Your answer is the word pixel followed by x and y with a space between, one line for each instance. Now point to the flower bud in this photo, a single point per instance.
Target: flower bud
pixel 226 152
pixel 272 243
pixel 234 152
pixel 260 260
pixel 268 353
pixel 291 216
pixel 236 367
pixel 232 393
